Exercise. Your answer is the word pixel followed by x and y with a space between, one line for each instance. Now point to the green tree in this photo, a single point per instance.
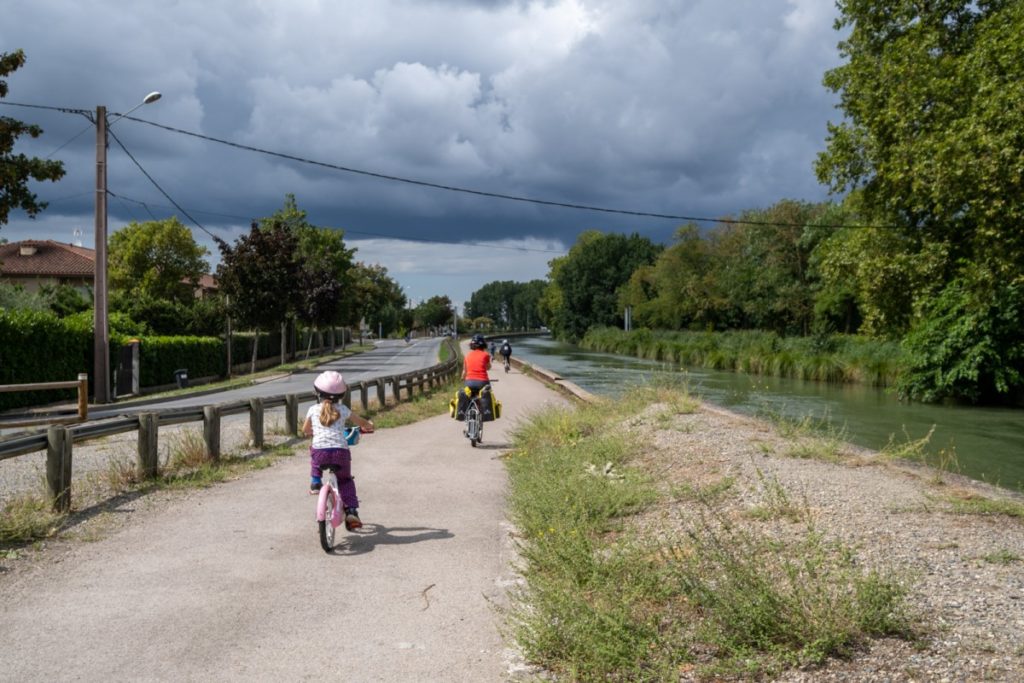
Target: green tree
pixel 259 274
pixel 510 305
pixel 590 276
pixel 376 298
pixel 324 264
pixel 159 259
pixel 677 291
pixel 767 273
pixel 16 170
pixel 434 313
pixel 526 305
pixel 65 300
pixel 932 145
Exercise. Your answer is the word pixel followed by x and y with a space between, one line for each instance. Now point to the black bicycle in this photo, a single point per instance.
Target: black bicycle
pixel 474 430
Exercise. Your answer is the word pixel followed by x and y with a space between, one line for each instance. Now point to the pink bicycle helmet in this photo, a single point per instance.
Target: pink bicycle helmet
pixel 330 383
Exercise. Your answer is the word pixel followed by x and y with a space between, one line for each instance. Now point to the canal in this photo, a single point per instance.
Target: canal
pixel 982 443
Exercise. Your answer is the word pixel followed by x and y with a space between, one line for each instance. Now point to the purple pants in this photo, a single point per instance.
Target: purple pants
pixel 342 459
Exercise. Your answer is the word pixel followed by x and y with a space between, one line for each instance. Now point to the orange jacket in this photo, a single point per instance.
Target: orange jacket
pixel 476 364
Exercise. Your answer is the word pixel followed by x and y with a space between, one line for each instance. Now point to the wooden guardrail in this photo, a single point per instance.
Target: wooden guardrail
pixel 82 384
pixel 58 441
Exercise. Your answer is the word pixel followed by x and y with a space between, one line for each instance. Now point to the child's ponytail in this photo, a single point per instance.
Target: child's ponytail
pixel 328 413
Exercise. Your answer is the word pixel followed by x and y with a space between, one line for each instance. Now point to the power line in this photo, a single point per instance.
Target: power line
pixel 157 186
pixel 481 193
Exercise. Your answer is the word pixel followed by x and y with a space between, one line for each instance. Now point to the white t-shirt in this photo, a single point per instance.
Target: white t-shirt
pixel 332 436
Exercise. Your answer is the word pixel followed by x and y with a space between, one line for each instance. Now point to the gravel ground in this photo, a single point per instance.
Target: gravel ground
pixel 965 572
pixel 97 461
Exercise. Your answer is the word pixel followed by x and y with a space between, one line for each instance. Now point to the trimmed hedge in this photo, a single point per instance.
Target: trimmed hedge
pixel 161 356
pixel 37 346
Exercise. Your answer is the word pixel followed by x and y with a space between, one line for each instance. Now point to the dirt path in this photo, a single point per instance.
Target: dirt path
pixel 230 583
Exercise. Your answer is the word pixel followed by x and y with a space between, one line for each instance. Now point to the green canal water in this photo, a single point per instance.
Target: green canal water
pixel 988 443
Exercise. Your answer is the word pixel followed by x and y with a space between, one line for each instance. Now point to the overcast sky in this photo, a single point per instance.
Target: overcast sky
pixel 697 108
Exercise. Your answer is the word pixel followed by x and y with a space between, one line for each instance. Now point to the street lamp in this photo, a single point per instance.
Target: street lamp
pixel 101 332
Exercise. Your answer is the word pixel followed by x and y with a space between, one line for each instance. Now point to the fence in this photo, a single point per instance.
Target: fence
pixel 58 440
pixel 82 384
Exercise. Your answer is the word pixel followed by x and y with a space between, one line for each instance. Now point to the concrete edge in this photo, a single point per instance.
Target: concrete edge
pixel 570 389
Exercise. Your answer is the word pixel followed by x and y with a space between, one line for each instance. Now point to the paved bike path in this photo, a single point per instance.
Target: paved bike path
pixel 230 583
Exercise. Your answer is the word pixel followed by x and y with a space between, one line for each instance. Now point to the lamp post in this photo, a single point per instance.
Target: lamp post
pixel 101 333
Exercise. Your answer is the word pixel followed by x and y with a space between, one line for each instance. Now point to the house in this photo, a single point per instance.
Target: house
pixel 36 263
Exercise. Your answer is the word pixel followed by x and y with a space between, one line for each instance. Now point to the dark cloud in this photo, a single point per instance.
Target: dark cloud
pixel 690 108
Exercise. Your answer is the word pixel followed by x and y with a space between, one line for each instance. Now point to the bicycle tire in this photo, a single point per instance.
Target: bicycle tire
pixel 326 525
pixel 472 423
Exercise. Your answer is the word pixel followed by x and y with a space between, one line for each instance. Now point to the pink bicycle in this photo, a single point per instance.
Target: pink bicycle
pixel 330 512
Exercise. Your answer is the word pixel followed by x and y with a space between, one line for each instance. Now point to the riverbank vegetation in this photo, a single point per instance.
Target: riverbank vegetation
pixel 606 597
pixel 834 358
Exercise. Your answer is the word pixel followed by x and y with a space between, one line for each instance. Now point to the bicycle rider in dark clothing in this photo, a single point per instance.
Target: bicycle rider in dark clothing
pixel 506 350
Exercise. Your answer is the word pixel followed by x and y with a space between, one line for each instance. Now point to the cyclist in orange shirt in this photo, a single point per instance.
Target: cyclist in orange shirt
pixel 476 364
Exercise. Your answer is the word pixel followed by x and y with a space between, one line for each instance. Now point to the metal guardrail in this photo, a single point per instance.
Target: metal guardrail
pixel 58 440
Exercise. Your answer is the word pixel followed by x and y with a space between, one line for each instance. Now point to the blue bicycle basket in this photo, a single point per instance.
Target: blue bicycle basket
pixel 352 435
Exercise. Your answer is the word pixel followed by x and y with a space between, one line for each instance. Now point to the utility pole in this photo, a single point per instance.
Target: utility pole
pixel 101 334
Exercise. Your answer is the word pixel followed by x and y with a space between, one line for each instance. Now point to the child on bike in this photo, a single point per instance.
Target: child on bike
pixel 325 422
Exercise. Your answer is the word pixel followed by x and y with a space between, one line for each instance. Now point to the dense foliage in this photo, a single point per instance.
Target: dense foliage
pixel 933 148
pixel 508 305
pixel 584 285
pixel 17 170
pixel 156 259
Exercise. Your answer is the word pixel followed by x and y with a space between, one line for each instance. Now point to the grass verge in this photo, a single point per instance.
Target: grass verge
pixel 605 597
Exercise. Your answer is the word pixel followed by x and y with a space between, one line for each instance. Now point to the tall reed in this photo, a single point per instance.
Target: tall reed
pixel 837 359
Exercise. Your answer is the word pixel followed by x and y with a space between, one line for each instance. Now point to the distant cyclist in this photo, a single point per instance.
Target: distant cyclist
pixel 476 364
pixel 506 352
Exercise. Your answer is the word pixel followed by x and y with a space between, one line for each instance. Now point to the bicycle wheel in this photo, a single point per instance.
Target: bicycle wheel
pixel 471 424
pixel 326 527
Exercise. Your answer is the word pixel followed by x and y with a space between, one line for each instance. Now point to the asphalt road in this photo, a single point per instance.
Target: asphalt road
pixel 230 583
pixel 389 357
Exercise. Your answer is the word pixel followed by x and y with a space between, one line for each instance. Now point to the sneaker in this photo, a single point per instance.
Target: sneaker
pixel 352 521
pixel 314 489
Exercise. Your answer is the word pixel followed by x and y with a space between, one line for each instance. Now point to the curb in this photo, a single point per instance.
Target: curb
pixel 566 387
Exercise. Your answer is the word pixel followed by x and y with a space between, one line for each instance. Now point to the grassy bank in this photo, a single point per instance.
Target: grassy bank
pixel 838 358
pixel 609 595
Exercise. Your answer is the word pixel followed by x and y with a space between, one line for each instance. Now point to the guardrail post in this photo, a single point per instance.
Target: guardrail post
pixel 381 397
pixel 256 422
pixel 291 414
pixel 149 454
pixel 58 467
pixel 211 432
pixel 83 396
pixel 364 400
pixel 346 398
pixel 396 389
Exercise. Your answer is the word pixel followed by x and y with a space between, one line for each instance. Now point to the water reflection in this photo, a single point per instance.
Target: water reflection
pixel 988 442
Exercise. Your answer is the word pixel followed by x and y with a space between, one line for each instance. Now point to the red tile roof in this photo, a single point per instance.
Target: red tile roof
pixel 50 258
